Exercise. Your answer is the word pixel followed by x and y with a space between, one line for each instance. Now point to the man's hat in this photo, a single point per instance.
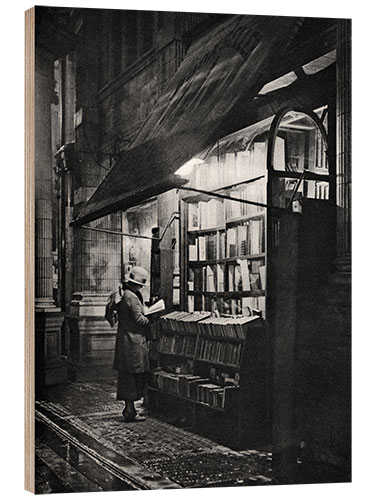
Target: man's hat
pixel 138 275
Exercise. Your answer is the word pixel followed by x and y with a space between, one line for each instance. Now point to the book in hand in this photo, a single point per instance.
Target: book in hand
pixel 155 308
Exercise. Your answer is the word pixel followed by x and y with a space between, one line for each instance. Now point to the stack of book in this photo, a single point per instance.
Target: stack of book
pixel 251 305
pixel 225 327
pixel 207 247
pixel 240 277
pixel 206 175
pixel 206 279
pixel 225 353
pixel 166 343
pixel 181 321
pixel 206 214
pixel 246 239
pixel 168 382
pixel 194 387
pixel 210 394
pixel 254 191
pixel 184 385
pixel 229 168
pixel 181 345
pixel 241 166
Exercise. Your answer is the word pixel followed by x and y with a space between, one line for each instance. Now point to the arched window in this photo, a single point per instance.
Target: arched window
pixel 297 158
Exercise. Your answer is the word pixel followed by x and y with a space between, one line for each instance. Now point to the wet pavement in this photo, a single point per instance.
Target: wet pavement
pixel 83 444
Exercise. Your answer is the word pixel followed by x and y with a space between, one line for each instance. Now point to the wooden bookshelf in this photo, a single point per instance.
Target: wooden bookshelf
pixel 235 258
pixel 223 259
pixel 207 385
pixel 208 230
pixel 243 218
pixel 234 294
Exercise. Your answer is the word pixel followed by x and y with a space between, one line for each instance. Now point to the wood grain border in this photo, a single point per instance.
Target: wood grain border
pixel 29 355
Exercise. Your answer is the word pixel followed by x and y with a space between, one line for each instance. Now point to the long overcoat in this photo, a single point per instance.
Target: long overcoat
pixel 131 351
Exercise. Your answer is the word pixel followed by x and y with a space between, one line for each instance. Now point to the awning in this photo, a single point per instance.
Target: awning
pixel 221 72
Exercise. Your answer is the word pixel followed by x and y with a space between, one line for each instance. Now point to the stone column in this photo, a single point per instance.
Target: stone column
pixel 50 369
pixel 44 84
pixel 344 150
pixel 97 255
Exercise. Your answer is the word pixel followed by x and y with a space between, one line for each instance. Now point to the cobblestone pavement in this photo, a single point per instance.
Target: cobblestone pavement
pixel 185 458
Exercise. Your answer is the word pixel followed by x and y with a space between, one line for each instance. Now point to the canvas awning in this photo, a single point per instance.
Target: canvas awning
pixel 219 75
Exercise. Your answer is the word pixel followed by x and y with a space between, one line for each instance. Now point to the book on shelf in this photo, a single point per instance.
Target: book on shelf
pixel 211 246
pixel 210 279
pixel 215 351
pixel 224 327
pixel 205 214
pixel 189 346
pixel 244 270
pixel 182 321
pixel 254 282
pixel 167 343
pixel 193 251
pixel 212 214
pixel 193 216
pixel 202 255
pixel 184 384
pixel 279 154
pixel 204 392
pixel 190 300
pixel 255 236
pixel 262 277
pixel 242 240
pixel 237 278
pixel 231 278
pixel 220 277
pixel 243 166
pixel 246 239
pixel 254 305
pixel 232 242
pixel 258 158
pixel 262 305
pixel 193 384
pixel 207 247
pixel 255 191
pixel 230 396
pixel 220 245
pixel 178 344
pixel 311 189
pixel 256 264
pixel 229 161
pixel 235 307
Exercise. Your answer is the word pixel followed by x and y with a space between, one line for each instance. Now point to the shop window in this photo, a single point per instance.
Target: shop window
pixel 298 150
pixel 246 177
pixel 139 221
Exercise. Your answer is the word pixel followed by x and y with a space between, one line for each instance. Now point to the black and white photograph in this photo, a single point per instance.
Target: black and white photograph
pixel 188 207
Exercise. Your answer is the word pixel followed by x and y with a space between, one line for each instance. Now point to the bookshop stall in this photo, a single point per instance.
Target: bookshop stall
pixel 256 227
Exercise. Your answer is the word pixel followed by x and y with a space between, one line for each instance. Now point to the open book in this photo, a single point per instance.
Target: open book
pixel 157 307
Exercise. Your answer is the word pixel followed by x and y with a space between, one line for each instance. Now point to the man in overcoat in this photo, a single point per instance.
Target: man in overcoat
pixel 131 352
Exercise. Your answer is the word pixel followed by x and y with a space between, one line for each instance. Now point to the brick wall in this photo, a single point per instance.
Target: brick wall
pixel 128 100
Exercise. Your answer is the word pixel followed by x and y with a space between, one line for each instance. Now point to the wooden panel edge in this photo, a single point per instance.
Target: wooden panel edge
pixel 29 354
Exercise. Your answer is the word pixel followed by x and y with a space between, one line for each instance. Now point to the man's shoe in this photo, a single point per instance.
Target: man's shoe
pixel 134 418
